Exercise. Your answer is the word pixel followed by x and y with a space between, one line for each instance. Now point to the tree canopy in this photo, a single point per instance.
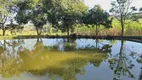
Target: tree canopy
pixel 64 13
pixel 32 11
pixel 97 16
pixel 6 10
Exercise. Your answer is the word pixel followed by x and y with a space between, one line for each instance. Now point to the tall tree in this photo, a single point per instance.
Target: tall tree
pixel 4 13
pixel 97 16
pixel 32 11
pixel 64 13
pixel 123 11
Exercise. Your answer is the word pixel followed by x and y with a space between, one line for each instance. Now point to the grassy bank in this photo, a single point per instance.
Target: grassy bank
pixel 132 29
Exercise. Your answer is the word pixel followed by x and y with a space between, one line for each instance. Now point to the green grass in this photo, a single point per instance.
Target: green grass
pixel 132 28
pixel 6 37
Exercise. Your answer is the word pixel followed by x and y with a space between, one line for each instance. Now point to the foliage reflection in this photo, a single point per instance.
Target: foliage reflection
pixel 64 59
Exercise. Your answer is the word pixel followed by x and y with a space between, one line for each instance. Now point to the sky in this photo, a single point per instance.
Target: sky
pixel 105 4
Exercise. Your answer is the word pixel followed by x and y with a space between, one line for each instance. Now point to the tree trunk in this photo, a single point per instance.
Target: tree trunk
pixel 122 30
pixel 96 30
pixel 122 26
pixel 68 31
pixel 4 32
pixel 3 29
pixel 38 31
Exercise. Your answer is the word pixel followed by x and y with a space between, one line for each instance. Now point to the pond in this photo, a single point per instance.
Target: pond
pixel 62 59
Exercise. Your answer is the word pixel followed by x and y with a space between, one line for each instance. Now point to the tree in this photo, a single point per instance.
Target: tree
pixel 7 10
pixel 64 13
pixel 32 11
pixel 97 16
pixel 122 11
pixel 4 13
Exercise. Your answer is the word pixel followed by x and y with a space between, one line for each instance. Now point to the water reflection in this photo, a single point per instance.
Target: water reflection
pixel 121 64
pixel 9 60
pixel 65 64
pixel 67 59
pixel 139 60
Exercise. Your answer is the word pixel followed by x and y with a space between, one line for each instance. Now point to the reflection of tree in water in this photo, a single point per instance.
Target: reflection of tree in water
pixel 105 48
pixel 10 68
pixel 65 45
pixel 67 69
pixel 10 62
pixel 139 60
pixel 113 42
pixel 121 64
pixel 140 76
pixel 38 47
pixel 70 45
pixel 97 47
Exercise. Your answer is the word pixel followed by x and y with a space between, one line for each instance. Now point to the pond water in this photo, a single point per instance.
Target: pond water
pixel 60 59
